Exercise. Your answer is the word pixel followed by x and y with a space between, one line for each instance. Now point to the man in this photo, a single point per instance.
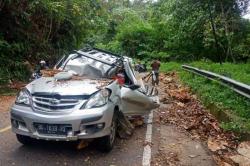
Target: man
pixel 138 66
pixel 42 66
pixel 155 65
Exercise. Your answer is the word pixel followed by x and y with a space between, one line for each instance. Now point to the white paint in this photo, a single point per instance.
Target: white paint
pixel 147 149
pixel 5 129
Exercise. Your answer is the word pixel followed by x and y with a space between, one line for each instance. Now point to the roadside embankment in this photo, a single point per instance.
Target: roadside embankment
pixel 230 108
pixel 187 113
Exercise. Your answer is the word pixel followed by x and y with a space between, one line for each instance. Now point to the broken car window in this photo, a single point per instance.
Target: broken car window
pixel 83 66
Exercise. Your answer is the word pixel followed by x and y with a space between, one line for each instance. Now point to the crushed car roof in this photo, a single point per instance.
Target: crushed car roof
pixel 100 55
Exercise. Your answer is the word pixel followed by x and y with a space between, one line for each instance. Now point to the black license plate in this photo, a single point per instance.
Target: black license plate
pixel 52 129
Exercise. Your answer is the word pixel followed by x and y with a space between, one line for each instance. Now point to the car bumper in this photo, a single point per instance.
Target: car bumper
pixel 85 124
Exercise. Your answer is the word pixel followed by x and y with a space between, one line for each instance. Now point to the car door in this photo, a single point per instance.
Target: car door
pixel 135 99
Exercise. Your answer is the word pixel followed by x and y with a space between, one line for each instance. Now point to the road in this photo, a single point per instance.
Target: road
pixel 169 146
pixel 127 152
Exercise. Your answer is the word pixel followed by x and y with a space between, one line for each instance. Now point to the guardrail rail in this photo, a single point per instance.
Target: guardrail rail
pixel 236 86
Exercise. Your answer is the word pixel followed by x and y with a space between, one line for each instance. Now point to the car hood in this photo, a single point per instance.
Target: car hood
pixel 69 87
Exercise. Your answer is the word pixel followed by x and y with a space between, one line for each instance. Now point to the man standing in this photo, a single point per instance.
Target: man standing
pixel 155 65
pixel 37 73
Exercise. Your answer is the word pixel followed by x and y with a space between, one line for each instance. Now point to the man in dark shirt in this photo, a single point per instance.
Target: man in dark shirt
pixel 155 65
pixel 42 66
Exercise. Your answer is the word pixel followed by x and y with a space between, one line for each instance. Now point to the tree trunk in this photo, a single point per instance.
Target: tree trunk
pixel 214 31
pixel 227 33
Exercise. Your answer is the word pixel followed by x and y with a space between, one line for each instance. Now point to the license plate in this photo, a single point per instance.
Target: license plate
pixel 52 129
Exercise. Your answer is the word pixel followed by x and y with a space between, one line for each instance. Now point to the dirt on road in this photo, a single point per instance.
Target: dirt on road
pixel 5 102
pixel 191 135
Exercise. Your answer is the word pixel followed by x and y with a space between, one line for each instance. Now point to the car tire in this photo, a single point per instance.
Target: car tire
pixel 25 140
pixel 106 143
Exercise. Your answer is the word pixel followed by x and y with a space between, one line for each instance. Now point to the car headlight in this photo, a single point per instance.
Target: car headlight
pixel 99 99
pixel 23 97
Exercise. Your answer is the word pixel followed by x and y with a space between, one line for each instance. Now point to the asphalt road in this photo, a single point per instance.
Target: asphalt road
pixel 166 140
pixel 126 152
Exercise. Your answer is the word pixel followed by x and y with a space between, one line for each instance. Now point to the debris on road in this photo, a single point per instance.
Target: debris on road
pixel 82 144
pixel 243 156
pixel 5 102
pixel 186 112
pixel 244 149
pixel 137 121
pixel 215 144
pixel 171 159
pixel 125 128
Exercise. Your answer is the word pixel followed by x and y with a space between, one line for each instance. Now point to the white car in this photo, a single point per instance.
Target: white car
pixel 80 100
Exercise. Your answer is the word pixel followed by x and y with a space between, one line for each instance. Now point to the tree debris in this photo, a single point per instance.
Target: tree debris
pixel 82 144
pixel 243 156
pixel 187 112
pixel 170 159
pixel 125 128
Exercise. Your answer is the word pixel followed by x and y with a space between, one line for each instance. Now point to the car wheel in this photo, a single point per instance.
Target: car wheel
pixel 106 143
pixel 25 140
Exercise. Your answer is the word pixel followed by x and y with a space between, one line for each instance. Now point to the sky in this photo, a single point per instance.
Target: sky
pixel 247 16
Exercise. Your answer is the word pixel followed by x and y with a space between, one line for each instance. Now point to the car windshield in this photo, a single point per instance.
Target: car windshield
pixel 84 66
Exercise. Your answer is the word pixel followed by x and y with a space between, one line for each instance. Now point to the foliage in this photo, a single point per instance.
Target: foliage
pixel 44 29
pixel 31 30
pixel 179 30
pixel 212 93
pixel 239 72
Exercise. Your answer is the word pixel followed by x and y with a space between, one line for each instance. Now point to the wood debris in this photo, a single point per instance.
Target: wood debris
pixel 187 112
pixel 243 156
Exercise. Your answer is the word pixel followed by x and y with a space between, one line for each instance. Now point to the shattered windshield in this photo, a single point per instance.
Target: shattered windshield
pixel 83 66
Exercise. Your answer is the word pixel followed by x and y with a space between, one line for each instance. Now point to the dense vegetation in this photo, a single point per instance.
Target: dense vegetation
pixel 165 29
pixel 181 30
pixel 231 108
pixel 169 30
pixel 44 29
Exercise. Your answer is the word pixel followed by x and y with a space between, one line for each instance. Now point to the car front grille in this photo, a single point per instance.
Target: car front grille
pixel 55 102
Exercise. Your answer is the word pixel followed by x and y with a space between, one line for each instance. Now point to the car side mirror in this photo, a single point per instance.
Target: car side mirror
pixel 134 87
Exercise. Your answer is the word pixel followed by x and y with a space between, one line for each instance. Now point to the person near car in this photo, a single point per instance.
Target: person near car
pixel 155 65
pixel 37 72
pixel 42 66
pixel 137 66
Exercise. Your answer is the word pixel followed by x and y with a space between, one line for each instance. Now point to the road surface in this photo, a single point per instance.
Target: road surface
pixel 127 152
pixel 135 151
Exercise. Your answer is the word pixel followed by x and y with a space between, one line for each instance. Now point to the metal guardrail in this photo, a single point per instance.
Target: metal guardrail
pixel 236 86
